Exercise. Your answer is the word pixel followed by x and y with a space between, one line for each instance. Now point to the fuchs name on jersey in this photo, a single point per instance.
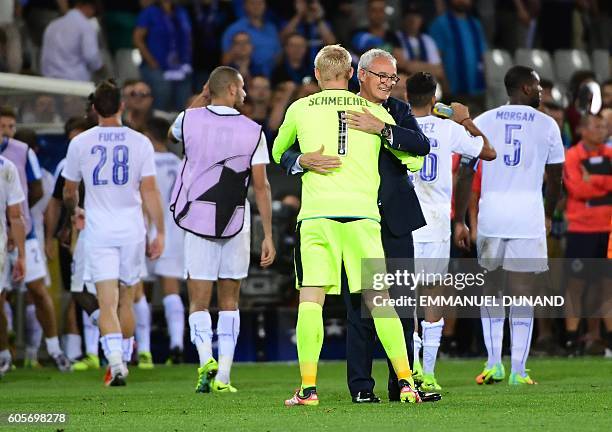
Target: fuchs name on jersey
pixel 111 136
pixel 515 116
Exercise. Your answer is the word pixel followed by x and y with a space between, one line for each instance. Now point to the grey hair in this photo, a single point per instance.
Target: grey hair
pixel 369 56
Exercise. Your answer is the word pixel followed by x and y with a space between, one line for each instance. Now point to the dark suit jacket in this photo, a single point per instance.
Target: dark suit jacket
pixel 399 206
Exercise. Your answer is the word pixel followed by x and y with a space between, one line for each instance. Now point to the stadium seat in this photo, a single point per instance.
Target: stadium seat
pixel 126 66
pixel 497 62
pixel 539 60
pixel 600 60
pixel 569 61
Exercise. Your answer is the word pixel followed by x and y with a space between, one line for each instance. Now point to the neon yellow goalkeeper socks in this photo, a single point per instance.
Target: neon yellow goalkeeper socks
pixel 391 334
pixel 309 333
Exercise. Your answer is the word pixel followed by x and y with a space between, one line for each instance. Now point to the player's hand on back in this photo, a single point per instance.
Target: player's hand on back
pixel 156 247
pixel 268 252
pixel 460 112
pixel 364 121
pixel 318 162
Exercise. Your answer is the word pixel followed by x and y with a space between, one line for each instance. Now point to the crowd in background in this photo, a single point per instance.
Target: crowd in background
pixel 273 45
pixel 181 41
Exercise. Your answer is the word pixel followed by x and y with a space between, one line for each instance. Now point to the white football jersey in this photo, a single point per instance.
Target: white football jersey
pixel 526 140
pixel 168 167
pixel 434 182
pixel 10 194
pixel 111 161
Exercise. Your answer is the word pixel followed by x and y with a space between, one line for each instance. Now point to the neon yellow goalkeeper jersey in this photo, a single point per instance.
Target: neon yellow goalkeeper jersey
pixel 316 120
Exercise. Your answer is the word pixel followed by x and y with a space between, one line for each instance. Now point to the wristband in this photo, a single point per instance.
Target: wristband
pixel 461 122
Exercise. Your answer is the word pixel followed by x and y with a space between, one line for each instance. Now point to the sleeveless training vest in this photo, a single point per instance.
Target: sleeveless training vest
pixel 17 152
pixel 208 197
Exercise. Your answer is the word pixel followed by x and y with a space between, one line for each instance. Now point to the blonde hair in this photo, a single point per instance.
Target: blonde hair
pixel 333 62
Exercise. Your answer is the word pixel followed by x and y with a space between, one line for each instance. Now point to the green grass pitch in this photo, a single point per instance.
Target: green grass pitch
pixel 572 395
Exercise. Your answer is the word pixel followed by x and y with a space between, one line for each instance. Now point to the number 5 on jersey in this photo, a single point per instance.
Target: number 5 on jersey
pixel 512 156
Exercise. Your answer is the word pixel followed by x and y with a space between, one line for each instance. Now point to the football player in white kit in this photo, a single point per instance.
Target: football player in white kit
pixel 117 167
pixel 434 184
pixel 71 338
pixel 11 199
pixel 83 293
pixel 170 266
pixel 513 220
pixel 27 165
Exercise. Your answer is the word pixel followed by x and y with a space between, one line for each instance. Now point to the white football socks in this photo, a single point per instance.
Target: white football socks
pixel 521 330
pixel 91 334
pixel 175 319
pixel 228 329
pixel 143 325
pixel 432 334
pixel 200 328
pixel 72 346
pixel 416 348
pixel 34 333
pixel 127 348
pixel 8 311
pixel 53 346
pixel 113 350
pixel 493 318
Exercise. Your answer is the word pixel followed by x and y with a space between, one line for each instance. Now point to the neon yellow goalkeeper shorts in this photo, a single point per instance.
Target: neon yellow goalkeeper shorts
pixel 324 245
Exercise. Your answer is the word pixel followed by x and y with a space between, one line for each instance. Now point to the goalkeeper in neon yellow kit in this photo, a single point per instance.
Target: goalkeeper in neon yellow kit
pixel 339 222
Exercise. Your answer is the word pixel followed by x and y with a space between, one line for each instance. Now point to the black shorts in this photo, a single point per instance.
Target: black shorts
pixel 586 255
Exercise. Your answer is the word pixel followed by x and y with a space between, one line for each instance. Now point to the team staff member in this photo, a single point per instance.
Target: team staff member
pixel 588 179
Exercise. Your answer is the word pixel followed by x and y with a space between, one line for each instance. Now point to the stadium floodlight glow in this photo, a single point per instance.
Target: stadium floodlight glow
pixel 596 99
pixel 498 58
pixel 537 60
pixel 576 58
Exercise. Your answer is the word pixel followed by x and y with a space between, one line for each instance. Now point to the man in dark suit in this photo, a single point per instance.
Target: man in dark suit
pixel 399 207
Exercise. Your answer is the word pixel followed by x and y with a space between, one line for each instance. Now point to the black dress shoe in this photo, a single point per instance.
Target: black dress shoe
pixel 365 397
